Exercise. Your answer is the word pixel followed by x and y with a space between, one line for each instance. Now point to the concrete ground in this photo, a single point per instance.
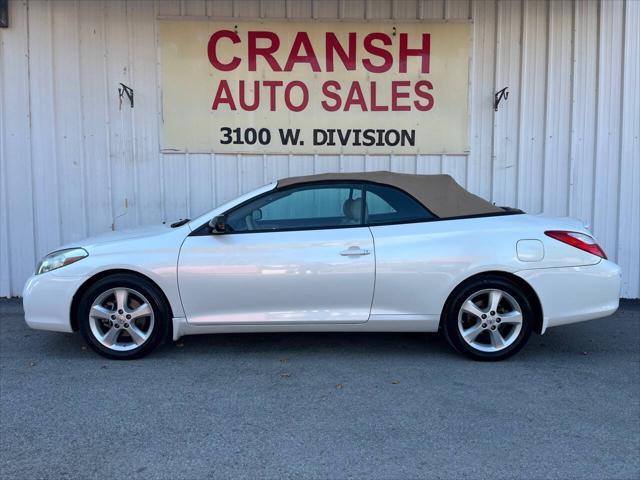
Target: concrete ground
pixel 322 406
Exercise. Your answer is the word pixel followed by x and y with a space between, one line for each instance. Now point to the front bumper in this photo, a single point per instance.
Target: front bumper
pixel 575 294
pixel 47 301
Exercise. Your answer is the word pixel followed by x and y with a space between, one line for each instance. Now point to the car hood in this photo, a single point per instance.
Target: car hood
pixel 139 233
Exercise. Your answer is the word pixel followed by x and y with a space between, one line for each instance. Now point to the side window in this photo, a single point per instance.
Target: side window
pixel 390 205
pixel 305 207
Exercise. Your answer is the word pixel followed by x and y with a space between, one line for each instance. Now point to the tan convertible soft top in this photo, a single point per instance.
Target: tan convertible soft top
pixel 439 193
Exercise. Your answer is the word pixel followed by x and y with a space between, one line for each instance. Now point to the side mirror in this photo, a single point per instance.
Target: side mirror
pixel 218 224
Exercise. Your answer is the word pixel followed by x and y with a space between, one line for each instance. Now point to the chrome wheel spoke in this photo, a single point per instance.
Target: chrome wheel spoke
pixel 496 339
pixel 137 335
pixel 98 311
pixel 472 309
pixel 143 310
pixel 111 337
pixel 470 334
pixel 494 300
pixel 122 296
pixel 511 317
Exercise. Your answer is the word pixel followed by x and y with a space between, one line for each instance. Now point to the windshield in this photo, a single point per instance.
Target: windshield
pixel 202 219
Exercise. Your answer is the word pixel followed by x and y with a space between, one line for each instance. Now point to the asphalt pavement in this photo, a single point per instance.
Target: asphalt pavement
pixel 322 406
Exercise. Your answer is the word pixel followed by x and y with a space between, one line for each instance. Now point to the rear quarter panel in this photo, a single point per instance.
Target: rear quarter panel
pixel 419 264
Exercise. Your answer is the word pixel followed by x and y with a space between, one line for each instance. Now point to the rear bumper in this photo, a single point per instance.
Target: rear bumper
pixel 47 301
pixel 575 294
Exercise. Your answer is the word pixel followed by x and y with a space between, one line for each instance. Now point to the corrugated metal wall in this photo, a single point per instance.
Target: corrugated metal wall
pixel 73 163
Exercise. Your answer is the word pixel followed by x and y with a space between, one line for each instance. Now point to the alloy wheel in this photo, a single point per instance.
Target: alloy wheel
pixel 490 320
pixel 121 319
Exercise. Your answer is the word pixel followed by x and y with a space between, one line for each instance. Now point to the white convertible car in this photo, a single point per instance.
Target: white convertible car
pixel 357 252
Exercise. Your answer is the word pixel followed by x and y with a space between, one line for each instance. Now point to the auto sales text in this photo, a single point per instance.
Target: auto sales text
pixel 376 52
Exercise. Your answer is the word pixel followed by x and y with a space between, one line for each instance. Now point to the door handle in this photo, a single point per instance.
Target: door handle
pixel 354 252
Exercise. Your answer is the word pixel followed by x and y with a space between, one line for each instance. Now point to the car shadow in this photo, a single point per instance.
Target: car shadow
pixel 318 342
pixel 331 344
pixel 571 340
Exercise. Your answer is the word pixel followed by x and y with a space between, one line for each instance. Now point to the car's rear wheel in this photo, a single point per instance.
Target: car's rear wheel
pixel 488 318
pixel 123 316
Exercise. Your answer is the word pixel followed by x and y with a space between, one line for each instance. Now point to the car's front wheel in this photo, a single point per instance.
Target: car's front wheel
pixel 489 318
pixel 123 316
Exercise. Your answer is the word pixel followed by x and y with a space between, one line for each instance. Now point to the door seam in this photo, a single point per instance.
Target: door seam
pixel 375 272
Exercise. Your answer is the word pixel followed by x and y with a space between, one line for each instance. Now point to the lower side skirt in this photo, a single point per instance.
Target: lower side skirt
pixel 376 323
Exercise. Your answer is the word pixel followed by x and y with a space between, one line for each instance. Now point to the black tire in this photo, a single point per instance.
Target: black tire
pixel 158 332
pixel 468 289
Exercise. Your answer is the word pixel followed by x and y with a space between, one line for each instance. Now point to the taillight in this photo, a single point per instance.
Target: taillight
pixel 578 240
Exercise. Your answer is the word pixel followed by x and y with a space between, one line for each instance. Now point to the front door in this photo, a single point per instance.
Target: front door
pixel 299 255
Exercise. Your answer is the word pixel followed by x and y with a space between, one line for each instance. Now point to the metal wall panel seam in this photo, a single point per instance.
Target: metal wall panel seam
pixel 83 149
pixel 596 116
pixel 215 191
pixel 198 7
pixel 584 110
pixel 571 109
pixel 54 149
pixel 607 154
pixel 132 112
pixel 238 178
pixel 187 176
pixel 470 85
pixel 518 150
pixel 496 44
pixel 558 111
pixel 460 11
pixel 620 133
pixel 433 9
pixel 572 73
pixel 549 72
pixel 156 34
pixel 107 118
pixel 34 215
pixel 5 245
pixel 545 112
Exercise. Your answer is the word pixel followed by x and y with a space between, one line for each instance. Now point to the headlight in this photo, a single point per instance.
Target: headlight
pixel 60 258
